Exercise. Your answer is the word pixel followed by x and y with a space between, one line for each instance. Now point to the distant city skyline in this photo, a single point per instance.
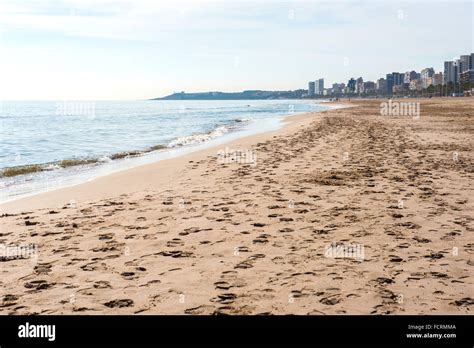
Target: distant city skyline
pixel 121 49
pixel 459 71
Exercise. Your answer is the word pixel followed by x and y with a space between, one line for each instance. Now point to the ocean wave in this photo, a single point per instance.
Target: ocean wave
pixel 104 159
pixel 92 161
pixel 198 138
pixel 66 163
pixel 217 132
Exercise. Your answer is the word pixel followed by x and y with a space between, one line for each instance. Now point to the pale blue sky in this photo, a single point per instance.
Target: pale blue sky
pixel 114 49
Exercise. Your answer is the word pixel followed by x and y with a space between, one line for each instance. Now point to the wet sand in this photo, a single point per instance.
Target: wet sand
pixel 197 235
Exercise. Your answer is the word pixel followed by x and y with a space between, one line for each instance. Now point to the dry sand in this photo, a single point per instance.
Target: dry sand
pixel 193 235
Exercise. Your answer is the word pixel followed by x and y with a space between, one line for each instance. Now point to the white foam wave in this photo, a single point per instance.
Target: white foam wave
pixel 51 166
pixel 199 138
pixel 105 159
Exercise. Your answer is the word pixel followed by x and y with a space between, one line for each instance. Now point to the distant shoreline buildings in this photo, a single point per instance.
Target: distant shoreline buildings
pixel 316 88
pixel 456 79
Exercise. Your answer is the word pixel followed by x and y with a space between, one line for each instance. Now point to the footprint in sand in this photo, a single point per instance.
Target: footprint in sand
pixel 119 303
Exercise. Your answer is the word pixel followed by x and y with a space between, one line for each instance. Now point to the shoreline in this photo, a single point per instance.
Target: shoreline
pixel 134 158
pixel 48 197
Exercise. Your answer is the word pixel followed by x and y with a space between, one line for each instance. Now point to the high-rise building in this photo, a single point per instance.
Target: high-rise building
pixel 381 86
pixel 449 72
pixel 369 87
pixel 311 88
pixel 437 79
pixel 426 75
pixel 406 78
pixel 410 75
pixel 467 77
pixel 389 83
pixel 319 87
pixel 351 85
pixel 464 63
pixel 457 70
pixel 338 88
pixel 359 88
pixel 397 78
pixel 471 62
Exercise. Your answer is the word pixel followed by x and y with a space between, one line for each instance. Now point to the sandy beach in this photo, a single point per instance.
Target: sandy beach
pixel 202 234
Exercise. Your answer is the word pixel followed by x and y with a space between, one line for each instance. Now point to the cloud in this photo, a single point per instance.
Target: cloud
pixel 127 20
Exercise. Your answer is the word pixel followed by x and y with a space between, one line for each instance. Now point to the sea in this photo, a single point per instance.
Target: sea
pixel 46 145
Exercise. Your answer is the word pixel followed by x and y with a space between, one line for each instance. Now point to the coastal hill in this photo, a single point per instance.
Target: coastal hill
pixel 251 94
